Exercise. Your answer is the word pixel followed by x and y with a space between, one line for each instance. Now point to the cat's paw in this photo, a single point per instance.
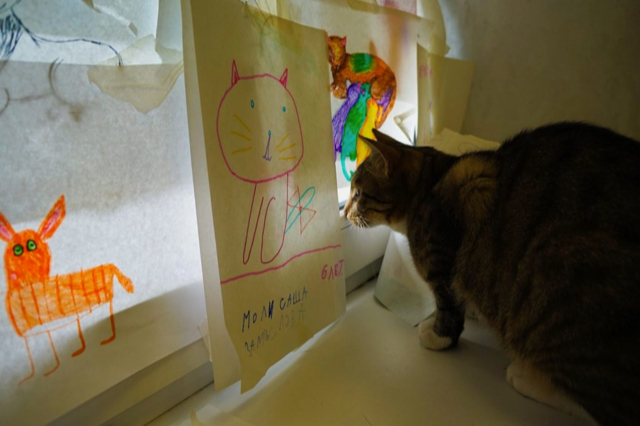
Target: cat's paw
pixel 534 385
pixel 430 339
pixel 515 374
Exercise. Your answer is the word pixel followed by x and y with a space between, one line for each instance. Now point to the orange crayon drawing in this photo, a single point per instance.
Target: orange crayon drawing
pixel 36 301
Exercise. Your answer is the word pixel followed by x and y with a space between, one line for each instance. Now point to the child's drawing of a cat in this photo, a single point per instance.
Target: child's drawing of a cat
pixel 260 137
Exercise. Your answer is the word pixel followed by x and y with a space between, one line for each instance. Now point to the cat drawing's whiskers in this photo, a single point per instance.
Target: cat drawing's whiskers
pixel 242 123
pixel 243 149
pixel 284 148
pixel 242 135
pixel 266 155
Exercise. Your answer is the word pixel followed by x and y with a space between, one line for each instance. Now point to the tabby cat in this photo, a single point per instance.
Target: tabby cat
pixel 542 239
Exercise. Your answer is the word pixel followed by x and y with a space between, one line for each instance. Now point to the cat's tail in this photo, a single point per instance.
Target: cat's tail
pixel 387 102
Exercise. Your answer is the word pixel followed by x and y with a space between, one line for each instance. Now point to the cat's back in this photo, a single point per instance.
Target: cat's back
pixel 566 234
pixel 568 193
pixel 571 173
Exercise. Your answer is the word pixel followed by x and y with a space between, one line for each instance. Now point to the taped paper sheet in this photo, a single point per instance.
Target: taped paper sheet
pixel 100 275
pixel 443 91
pixel 129 213
pixel 454 143
pixel 265 121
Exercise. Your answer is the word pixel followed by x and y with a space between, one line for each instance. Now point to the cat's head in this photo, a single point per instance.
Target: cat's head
pixel 384 185
pixel 337 50
pixel 258 126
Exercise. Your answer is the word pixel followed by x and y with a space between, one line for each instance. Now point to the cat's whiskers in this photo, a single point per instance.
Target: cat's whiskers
pixel 293 157
pixel 242 123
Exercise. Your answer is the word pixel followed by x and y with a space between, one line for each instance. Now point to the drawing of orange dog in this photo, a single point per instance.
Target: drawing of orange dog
pixel 35 300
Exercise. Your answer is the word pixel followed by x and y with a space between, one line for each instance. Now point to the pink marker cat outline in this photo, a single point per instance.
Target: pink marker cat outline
pixel 261 153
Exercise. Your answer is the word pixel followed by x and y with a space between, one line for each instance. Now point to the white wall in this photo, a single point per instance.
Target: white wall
pixel 540 61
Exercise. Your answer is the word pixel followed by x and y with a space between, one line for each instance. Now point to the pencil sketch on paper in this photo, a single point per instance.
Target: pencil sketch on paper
pixel 261 140
pixel 38 303
pixel 369 88
pixel 12 28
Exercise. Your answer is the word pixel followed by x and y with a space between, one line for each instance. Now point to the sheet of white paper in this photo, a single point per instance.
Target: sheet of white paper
pixel 443 89
pixel 454 143
pixel 400 287
pixel 221 350
pixel 270 174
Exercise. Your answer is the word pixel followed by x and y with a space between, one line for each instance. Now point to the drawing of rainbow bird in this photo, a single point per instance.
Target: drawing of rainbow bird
pixel 39 303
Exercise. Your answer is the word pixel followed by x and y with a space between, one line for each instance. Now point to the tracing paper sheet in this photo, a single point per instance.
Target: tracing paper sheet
pixel 107 190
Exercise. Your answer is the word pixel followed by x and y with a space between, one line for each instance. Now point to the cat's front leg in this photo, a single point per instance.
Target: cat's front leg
pixel 442 330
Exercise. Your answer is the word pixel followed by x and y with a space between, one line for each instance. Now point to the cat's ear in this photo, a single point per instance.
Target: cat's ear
pixel 234 74
pixel 383 147
pixel 283 79
pixel 343 40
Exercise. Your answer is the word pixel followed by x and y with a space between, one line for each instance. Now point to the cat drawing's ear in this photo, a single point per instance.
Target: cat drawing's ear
pixel 343 40
pixel 283 79
pixel 234 74
pixel 385 148
pixel 53 219
pixel 6 231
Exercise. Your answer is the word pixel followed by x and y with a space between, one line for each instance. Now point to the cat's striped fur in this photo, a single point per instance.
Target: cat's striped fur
pixel 542 238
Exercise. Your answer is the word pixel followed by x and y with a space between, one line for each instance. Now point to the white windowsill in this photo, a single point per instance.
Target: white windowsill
pixel 369 368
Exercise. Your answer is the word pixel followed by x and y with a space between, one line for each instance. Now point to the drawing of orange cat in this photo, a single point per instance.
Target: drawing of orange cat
pixel 361 68
pixel 35 301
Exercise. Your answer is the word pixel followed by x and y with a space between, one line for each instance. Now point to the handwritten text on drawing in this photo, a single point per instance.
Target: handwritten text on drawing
pixel 293 298
pixel 287 312
pixel 330 272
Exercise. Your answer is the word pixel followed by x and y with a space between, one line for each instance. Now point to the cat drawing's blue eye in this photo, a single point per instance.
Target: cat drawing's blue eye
pixel 252 103
pixel 284 109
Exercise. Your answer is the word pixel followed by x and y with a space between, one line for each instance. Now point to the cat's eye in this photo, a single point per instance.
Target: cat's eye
pixel 252 103
pixel 284 109
pixel 356 195
pixel 31 245
pixel 18 250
